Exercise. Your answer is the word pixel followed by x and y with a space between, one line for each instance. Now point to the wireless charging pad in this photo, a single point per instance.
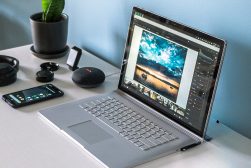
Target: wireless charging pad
pixel 51 66
pixel 45 76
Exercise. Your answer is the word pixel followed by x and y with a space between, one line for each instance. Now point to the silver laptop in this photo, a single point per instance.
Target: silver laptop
pixel 163 101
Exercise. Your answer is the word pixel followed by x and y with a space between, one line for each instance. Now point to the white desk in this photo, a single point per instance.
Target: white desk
pixel 28 142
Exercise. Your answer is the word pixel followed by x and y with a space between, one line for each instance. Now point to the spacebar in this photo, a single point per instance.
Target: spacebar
pixel 110 124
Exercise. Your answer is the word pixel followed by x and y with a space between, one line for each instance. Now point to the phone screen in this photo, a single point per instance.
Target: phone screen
pixel 32 95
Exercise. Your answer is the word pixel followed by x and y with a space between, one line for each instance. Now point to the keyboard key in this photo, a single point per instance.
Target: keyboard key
pixel 124 134
pixel 152 132
pixel 147 129
pixel 117 123
pixel 156 135
pixel 161 132
pixel 132 120
pixel 141 131
pixel 142 126
pixel 132 125
pixel 114 127
pixel 127 129
pixel 162 140
pixel 133 140
pixel 97 114
pixel 106 108
pixel 128 122
pixel 113 120
pixel 119 116
pixel 142 120
pixel 110 117
pixel 120 111
pixel 137 136
pixel 156 128
pixel 144 147
pixel 138 143
pixel 136 129
pixel 123 119
pixel 133 114
pixel 147 122
pixel 137 117
pixel 102 112
pixel 167 137
pixel 127 117
pixel 145 135
pixel 137 123
pixel 105 115
pixel 168 132
pixel 122 126
pixel 132 133
pixel 128 137
pixel 146 142
pixel 153 141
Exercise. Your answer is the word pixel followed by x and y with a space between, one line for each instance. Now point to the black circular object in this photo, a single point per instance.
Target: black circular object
pixel 88 77
pixel 45 76
pixel 9 67
pixel 5 68
pixel 51 66
pixel 50 56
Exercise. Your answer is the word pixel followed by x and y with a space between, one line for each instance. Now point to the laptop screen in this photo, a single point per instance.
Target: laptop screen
pixel 172 68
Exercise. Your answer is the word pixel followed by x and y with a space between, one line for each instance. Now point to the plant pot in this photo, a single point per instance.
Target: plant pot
pixel 49 37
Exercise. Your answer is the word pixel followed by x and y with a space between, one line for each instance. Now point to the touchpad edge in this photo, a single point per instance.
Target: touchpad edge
pixel 90 132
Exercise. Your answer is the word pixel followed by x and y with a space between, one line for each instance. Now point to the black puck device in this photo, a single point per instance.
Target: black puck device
pixel 46 74
pixel 88 77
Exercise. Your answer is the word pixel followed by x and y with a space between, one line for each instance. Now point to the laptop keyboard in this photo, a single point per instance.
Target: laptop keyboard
pixel 128 123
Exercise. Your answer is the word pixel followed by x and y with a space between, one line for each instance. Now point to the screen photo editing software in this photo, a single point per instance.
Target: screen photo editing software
pixel 171 69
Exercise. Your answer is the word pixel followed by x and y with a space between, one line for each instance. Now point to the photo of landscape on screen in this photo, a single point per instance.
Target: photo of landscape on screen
pixel 160 65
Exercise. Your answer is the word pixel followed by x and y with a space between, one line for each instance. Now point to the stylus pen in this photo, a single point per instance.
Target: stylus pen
pixel 190 146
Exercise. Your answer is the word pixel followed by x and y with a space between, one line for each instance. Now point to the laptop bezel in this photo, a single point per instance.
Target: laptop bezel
pixel 201 133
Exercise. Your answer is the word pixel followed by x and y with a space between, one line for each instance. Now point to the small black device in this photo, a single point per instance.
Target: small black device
pixel 32 95
pixel 45 76
pixel 9 67
pixel 73 58
pixel 88 77
pixel 51 66
pixel 46 73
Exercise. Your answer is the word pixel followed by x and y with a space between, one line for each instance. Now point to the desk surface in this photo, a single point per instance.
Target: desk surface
pixel 28 142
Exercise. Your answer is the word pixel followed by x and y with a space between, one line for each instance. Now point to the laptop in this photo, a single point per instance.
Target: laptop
pixel 163 101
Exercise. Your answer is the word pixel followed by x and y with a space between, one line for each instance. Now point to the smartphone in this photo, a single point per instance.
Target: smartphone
pixel 32 95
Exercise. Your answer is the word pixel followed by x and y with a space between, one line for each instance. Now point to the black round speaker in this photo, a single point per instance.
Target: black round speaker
pixel 8 70
pixel 88 77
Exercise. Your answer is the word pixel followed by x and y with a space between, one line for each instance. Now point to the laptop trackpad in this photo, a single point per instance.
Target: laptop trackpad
pixel 90 132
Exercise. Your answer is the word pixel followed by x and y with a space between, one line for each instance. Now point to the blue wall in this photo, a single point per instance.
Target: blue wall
pixel 101 27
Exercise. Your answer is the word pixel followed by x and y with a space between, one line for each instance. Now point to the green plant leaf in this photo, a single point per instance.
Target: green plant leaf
pixel 45 4
pixel 54 10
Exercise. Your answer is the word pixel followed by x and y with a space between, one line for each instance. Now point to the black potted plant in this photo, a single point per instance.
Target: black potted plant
pixel 49 30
